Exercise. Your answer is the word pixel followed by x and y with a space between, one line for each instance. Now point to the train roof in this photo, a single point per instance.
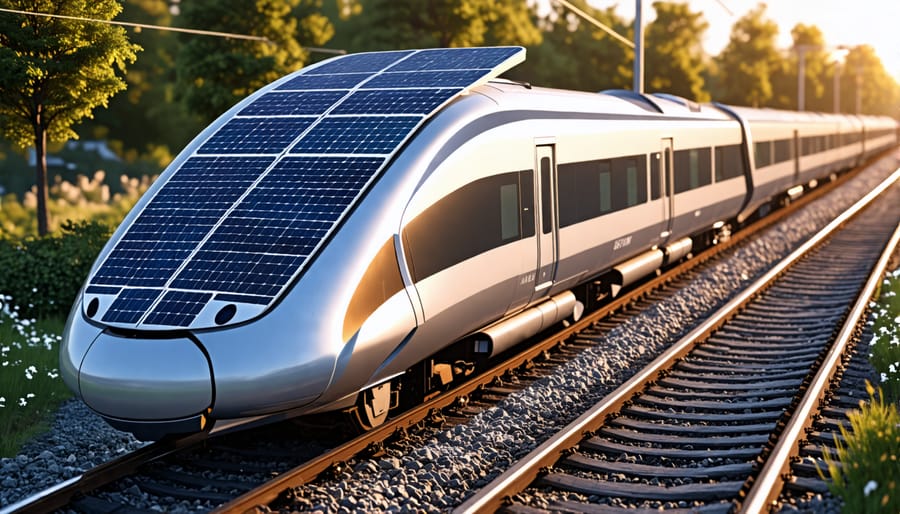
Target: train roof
pixel 234 220
pixel 617 103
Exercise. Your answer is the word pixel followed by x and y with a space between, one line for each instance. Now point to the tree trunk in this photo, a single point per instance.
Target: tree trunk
pixel 40 151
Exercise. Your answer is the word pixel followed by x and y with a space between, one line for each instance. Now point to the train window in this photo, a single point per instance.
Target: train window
pixel 692 169
pixel 762 153
pixel 629 182
pixel 783 150
pixel 381 281
pixel 593 188
pixel 478 217
pixel 604 191
pixel 546 203
pixel 729 163
pixel 509 211
pixel 655 161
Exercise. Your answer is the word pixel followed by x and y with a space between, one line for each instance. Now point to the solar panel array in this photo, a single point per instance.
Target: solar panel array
pixel 238 219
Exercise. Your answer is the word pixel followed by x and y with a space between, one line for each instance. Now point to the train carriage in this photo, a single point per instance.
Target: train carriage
pixel 369 229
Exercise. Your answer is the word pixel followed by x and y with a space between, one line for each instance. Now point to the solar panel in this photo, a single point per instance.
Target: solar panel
pixel 234 221
pixel 399 101
pixel 255 135
pixel 293 103
pixel 357 134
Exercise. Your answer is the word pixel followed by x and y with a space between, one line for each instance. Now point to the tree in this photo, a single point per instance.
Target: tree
pixel 749 60
pixel 54 72
pixel 864 75
pixel 576 55
pixel 674 52
pixel 147 119
pixel 389 25
pixel 215 73
pixel 809 40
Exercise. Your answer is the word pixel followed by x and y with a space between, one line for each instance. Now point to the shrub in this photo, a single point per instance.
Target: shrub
pixel 885 345
pixel 45 274
pixel 868 477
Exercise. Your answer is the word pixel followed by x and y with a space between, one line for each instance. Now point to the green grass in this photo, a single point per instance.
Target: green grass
pixel 885 346
pixel 865 471
pixel 868 479
pixel 30 386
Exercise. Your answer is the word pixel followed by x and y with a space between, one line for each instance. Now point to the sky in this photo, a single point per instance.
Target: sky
pixel 842 22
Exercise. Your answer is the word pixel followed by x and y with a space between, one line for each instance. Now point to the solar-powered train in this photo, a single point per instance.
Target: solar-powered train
pixel 368 229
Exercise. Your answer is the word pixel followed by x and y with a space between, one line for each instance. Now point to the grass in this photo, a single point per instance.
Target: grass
pixel 884 351
pixel 865 471
pixel 868 478
pixel 30 386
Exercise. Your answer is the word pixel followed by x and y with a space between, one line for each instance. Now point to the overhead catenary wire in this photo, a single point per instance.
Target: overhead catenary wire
pixel 200 32
pixel 596 23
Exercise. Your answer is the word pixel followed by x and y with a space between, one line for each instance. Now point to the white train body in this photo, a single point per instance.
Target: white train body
pixel 498 216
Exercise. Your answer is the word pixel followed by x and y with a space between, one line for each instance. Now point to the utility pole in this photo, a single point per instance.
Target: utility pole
pixel 801 73
pixel 638 85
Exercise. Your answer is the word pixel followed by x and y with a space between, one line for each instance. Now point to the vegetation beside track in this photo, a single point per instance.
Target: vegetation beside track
pixel 865 472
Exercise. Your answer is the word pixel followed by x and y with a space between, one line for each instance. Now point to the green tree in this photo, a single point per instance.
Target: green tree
pixel 388 24
pixel 863 74
pixel 54 72
pixel 215 73
pixel 674 52
pixel 809 40
pixel 147 119
pixel 749 60
pixel 577 55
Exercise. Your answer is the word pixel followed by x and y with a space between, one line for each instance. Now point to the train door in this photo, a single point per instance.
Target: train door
pixel 668 171
pixel 547 228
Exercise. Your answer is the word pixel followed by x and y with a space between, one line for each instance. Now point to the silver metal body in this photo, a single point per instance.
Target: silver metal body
pixel 309 353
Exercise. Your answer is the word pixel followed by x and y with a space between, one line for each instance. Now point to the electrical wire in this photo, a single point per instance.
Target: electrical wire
pixel 230 35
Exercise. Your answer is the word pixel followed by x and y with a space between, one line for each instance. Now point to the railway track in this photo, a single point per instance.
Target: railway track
pixel 179 469
pixel 715 421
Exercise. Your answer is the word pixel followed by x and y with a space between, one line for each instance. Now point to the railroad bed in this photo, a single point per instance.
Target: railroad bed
pixel 437 469
pixel 711 425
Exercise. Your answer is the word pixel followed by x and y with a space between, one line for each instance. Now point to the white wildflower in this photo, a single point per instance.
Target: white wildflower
pixel 2 401
pixel 870 486
pixel 30 371
pixel 23 402
pixel 29 395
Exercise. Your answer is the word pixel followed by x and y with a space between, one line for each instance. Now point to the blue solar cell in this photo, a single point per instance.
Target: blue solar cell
pixel 131 305
pixel 289 213
pixel 293 103
pixel 359 63
pixel 177 308
pixel 456 59
pixel 178 217
pixel 238 272
pixel 420 79
pixel 317 82
pixel 255 135
pixel 239 229
pixel 400 101
pixel 355 134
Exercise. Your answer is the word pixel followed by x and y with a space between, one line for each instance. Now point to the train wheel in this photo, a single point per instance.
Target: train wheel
pixel 372 406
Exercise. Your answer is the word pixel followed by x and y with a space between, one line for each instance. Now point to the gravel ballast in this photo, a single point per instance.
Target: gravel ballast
pixel 441 471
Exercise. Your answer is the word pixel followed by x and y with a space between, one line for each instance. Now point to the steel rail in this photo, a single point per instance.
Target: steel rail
pixel 309 471
pixel 769 482
pixel 526 470
pixel 61 494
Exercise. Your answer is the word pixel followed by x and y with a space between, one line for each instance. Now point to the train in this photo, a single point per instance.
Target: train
pixel 373 228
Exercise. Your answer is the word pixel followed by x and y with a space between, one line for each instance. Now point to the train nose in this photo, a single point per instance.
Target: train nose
pixel 145 379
